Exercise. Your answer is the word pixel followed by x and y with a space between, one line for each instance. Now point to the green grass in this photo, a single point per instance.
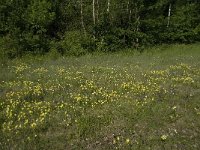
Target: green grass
pixel 124 100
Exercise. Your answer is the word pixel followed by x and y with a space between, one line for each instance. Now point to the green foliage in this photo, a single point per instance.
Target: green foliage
pixel 30 26
pixel 53 53
pixel 10 47
pixel 39 15
pixel 89 43
pixel 70 44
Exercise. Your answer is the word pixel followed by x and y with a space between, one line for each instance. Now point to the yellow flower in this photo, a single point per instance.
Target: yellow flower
pixel 127 141
pixel 164 137
pixel 118 138
pixel 33 125
pixel 28 138
pixel 114 141
pixel 174 108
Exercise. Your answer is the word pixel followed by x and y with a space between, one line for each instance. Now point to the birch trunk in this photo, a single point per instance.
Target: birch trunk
pixel 129 11
pixel 82 21
pixel 94 17
pixel 127 7
pixel 97 12
pixel 137 19
pixel 108 8
pixel 169 15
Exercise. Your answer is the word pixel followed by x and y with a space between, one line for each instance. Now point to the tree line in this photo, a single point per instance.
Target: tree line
pixel 78 26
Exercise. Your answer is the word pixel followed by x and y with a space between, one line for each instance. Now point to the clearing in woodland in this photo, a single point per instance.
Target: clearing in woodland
pixel 124 100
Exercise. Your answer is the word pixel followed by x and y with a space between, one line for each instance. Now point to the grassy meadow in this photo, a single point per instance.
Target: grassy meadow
pixel 124 100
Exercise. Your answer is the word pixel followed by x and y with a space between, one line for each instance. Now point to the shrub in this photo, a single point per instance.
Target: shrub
pixel 70 44
pixel 10 47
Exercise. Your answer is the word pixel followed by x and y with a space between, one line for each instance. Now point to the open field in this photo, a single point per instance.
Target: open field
pixel 148 100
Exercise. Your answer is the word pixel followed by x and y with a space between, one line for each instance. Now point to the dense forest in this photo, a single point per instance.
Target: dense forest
pixel 74 27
